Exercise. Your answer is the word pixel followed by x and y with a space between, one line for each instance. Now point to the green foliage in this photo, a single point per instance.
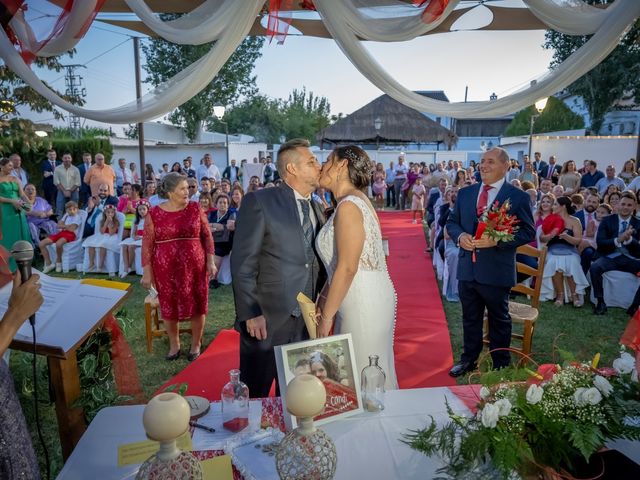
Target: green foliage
pixel 15 93
pixel 302 115
pixel 555 117
pixel 165 59
pixel 86 132
pixel 34 151
pixel 617 75
pixel 179 388
pixel 574 416
pixel 97 384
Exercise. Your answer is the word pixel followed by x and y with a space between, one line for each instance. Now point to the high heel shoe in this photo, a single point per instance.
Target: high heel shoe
pixel 171 357
pixel 577 300
pixel 559 301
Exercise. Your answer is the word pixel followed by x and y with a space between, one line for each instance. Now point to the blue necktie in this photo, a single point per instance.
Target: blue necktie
pixel 625 224
pixel 307 226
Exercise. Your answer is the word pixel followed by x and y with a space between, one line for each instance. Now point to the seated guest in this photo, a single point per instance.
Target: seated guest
pixel 225 187
pixel 95 206
pixel 628 172
pixel 443 216
pixel 516 183
pixel 589 221
pixel 127 204
pixel 605 182
pixel 236 199
pixel 563 261
pixel 558 191
pixel 17 456
pixel 529 175
pixel 577 200
pixel 133 242
pixel 192 185
pixel 206 204
pixel 149 189
pixel 320 195
pixel 569 178
pixel 205 185
pixel 67 227
pixel 222 222
pixel 38 217
pixel 543 210
pixel 613 200
pixel 105 239
pixel 618 241
pixel 177 168
pixel 533 198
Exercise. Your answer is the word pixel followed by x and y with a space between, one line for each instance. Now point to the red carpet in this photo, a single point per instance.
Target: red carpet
pixel 422 345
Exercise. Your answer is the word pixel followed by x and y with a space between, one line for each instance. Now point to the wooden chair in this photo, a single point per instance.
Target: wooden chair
pixel 152 322
pixel 522 313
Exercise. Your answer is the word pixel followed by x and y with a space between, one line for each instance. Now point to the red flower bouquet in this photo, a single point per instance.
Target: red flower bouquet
pixel 497 224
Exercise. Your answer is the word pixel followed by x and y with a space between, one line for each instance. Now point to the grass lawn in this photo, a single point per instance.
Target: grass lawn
pixel 575 330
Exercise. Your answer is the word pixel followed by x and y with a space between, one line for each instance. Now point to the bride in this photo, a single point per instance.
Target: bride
pixel 359 293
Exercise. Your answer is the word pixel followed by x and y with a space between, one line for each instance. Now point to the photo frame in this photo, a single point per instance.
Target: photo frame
pixel 333 361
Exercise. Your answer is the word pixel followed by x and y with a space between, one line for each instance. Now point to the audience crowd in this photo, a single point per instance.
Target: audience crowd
pixel 587 218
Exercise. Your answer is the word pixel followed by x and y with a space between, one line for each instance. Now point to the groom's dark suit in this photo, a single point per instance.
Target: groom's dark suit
pixel 270 265
pixel 487 282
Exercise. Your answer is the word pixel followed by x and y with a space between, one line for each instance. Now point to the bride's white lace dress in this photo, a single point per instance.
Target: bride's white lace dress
pixel 368 310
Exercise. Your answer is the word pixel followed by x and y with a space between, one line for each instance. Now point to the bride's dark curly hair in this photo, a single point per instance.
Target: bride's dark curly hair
pixel 358 163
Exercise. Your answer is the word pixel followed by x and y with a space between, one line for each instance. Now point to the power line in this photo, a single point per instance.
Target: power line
pixel 104 53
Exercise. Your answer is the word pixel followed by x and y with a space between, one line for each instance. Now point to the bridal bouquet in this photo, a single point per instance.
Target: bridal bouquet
pixel 556 418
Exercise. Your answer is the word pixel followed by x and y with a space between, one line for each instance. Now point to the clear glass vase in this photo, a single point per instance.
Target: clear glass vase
pixel 372 384
pixel 235 403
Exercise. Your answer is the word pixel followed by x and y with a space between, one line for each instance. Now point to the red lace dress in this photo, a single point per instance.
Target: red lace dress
pixel 176 245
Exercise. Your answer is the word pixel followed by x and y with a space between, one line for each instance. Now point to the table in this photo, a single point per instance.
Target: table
pixel 358 456
pixel 59 341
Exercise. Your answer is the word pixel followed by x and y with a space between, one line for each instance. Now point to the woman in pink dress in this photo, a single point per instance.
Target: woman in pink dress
pixel 177 258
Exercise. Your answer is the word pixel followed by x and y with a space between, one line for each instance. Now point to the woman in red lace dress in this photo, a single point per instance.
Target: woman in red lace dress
pixel 177 258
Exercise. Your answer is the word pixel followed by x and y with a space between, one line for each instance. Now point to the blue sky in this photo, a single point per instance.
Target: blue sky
pixel 486 62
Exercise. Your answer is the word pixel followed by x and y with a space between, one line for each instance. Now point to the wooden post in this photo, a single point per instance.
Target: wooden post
pixel 136 57
pixel 65 380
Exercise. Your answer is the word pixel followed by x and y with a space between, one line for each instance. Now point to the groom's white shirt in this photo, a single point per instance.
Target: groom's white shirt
pixel 312 215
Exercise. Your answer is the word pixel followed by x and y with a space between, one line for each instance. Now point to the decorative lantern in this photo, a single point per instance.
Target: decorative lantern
pixel 166 417
pixel 306 452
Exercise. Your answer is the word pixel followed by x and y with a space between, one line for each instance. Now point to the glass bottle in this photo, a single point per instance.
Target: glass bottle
pixel 235 403
pixel 372 384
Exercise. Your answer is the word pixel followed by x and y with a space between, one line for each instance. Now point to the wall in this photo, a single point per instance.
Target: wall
pixel 604 150
pixel 387 156
pixel 156 155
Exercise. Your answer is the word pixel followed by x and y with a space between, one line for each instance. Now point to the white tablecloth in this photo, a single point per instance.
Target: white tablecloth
pixel 368 444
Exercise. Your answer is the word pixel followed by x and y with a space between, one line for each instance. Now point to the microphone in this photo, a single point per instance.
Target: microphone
pixel 22 253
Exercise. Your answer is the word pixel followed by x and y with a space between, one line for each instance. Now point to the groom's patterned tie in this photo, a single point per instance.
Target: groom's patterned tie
pixel 307 226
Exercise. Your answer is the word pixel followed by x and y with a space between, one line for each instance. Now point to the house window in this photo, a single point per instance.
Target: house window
pixel 439 120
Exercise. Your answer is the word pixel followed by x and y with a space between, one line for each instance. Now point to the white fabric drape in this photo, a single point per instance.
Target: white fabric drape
pixel 573 17
pixel 403 22
pixel 163 98
pixel 79 14
pixel 580 62
pixel 203 24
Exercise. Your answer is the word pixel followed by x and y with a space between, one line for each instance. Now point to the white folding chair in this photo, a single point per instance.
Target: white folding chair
pixel 72 251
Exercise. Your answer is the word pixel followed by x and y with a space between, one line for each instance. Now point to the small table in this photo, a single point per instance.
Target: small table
pixel 60 339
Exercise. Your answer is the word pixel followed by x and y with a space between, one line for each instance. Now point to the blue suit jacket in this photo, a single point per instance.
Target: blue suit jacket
pixel 496 265
pixel 46 167
pixel 608 232
pixel 84 187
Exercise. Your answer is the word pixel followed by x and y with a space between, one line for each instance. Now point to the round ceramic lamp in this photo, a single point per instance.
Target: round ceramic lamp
pixel 306 452
pixel 165 418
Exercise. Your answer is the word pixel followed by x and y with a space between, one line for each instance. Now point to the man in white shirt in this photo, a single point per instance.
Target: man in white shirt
pixel 208 169
pixel 123 175
pixel 609 179
pixel 66 178
pixel 18 171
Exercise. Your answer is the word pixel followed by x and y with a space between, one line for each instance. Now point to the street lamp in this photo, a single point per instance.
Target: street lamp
pixel 540 104
pixel 218 111
pixel 377 124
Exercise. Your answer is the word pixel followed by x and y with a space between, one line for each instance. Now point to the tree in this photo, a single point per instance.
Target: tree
pixel 616 76
pixel 165 59
pixel 15 93
pixel 85 132
pixel 556 116
pixel 302 115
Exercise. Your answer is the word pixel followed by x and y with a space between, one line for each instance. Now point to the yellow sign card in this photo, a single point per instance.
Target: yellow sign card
pixel 217 468
pixel 132 453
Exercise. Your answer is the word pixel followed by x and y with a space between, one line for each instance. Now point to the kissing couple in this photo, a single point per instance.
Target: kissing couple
pixel 284 245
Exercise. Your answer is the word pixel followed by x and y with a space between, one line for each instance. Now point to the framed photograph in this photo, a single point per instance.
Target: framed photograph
pixel 331 359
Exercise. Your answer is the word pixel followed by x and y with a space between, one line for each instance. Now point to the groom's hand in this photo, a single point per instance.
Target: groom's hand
pixel 257 327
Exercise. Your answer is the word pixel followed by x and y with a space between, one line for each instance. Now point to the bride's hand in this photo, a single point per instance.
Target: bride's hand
pixel 324 326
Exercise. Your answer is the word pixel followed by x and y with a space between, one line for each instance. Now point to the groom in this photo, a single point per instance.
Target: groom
pixel 486 283
pixel 273 259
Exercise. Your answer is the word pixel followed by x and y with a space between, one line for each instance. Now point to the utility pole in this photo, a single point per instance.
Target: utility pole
pixel 136 57
pixel 76 91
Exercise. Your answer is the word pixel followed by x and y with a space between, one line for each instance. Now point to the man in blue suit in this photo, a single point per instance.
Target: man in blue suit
pixel 85 188
pixel 618 240
pixel 486 283
pixel 48 166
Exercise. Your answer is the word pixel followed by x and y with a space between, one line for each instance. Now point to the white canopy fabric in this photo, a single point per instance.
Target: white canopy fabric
pixel 163 98
pixel 228 22
pixel 338 18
